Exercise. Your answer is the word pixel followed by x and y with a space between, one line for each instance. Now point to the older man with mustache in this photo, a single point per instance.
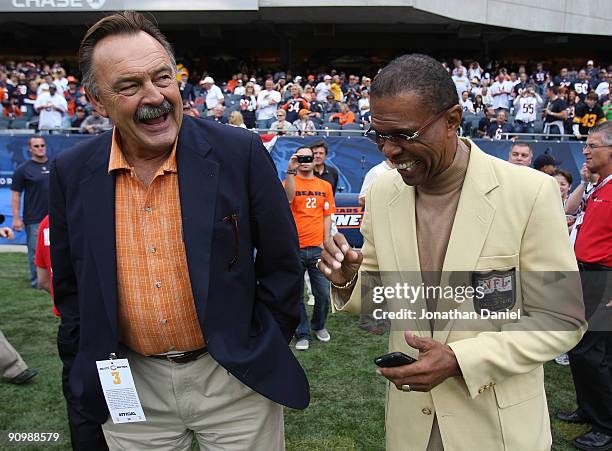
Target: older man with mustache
pixel 153 231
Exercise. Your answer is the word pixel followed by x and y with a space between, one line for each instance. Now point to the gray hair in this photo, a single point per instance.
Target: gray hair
pixel 121 23
pixel 605 129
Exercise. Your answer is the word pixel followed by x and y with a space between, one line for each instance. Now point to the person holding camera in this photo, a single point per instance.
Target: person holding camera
pixel 526 106
pixel 312 204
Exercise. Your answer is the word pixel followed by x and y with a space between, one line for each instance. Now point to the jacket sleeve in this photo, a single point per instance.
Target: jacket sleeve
pixel 278 268
pixel 85 434
pixel 552 318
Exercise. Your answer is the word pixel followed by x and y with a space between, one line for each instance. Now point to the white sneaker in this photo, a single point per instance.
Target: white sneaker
pixel 311 300
pixel 563 359
pixel 302 345
pixel 323 335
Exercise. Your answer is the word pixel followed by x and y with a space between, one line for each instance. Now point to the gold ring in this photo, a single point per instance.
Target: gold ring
pixel 405 388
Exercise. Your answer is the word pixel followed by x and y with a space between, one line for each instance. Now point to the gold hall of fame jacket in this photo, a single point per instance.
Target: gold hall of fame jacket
pixel 509 218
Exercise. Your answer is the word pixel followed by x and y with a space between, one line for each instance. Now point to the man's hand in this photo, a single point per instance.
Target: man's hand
pixel 6 232
pixel 17 224
pixel 436 363
pixel 293 162
pixel 339 263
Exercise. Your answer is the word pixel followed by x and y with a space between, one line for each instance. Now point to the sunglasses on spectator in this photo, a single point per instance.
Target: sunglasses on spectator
pixel 397 138
pixel 37 146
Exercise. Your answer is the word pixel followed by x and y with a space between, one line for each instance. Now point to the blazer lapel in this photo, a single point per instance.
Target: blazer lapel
pixel 471 226
pixel 98 190
pixel 402 220
pixel 198 185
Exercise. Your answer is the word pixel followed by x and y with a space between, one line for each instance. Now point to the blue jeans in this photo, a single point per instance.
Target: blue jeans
pixel 265 123
pixel 320 291
pixel 32 237
pixel 524 127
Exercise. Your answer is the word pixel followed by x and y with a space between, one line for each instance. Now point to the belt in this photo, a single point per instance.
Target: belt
pixel 592 267
pixel 183 357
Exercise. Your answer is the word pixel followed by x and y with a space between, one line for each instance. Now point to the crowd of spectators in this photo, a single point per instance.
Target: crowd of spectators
pixel 497 102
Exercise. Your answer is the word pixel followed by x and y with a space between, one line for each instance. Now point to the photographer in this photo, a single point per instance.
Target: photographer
pixel 526 105
pixel 312 204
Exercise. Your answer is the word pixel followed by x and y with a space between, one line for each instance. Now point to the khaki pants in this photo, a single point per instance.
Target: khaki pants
pixel 197 399
pixel 11 363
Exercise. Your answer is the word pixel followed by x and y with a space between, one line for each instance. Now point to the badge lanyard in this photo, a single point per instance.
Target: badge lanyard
pixel 580 218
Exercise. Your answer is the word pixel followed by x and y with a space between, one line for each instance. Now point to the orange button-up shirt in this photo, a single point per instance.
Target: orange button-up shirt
pixel 156 309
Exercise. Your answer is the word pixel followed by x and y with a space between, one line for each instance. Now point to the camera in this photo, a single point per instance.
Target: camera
pixel 305 159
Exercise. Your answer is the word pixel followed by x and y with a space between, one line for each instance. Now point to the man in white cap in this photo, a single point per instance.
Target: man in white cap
pixel 214 96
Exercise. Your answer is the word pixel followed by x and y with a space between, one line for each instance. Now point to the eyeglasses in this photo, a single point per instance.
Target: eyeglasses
pixel 38 146
pixel 397 138
pixel 588 146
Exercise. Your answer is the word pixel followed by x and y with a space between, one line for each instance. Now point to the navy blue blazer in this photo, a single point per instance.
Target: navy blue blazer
pixel 248 307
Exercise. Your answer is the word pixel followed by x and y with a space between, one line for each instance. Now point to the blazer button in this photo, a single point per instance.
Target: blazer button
pixel 481 389
pixel 426 411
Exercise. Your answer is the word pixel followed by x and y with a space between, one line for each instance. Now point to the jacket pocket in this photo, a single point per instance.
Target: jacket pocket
pixel 497 262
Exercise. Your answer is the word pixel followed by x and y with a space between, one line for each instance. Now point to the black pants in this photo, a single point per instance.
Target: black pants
pixel 591 359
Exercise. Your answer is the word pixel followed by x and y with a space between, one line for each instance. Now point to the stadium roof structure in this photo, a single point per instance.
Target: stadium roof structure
pixel 593 17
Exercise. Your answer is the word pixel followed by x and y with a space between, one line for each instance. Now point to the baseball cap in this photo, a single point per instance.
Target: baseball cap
pixel 327 77
pixel 589 62
pixel 72 79
pixel 208 80
pixel 544 160
pixel 476 80
pixel 297 79
pixel 253 80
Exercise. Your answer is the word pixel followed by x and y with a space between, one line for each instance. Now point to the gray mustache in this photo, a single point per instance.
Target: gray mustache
pixel 148 112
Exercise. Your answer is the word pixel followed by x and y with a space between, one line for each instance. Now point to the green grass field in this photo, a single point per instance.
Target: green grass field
pixel 346 410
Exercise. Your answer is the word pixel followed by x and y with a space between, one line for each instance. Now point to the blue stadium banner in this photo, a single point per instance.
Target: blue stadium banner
pixel 351 156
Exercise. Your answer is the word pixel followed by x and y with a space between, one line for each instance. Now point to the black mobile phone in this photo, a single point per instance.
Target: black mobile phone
pixel 305 158
pixel 393 359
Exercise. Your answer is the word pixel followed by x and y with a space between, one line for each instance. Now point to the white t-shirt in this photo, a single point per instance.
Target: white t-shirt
pixel 322 89
pixel 467 105
pixel 603 89
pixel 266 110
pixel 213 96
pixel 364 106
pixel 502 100
pixel 461 83
pixel 372 174
pixel 50 118
pixel 526 109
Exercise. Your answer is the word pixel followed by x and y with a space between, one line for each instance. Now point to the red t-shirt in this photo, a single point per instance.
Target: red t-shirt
pixel 43 253
pixel 594 241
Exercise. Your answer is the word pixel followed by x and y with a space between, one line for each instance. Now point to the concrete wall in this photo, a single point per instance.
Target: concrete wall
pixel 556 16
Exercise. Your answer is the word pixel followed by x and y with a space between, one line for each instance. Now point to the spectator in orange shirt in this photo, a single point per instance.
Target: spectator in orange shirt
pixel 312 204
pixel 345 116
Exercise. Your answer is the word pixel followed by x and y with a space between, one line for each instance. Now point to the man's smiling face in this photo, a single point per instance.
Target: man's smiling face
pixel 137 90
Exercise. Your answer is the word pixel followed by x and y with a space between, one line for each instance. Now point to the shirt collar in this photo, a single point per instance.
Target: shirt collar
pixel 118 160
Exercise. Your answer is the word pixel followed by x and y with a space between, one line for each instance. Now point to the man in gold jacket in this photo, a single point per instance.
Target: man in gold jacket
pixel 449 208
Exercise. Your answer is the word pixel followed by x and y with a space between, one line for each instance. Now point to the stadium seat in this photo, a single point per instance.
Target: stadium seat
pixel 352 126
pixel 19 123
pixel 327 126
pixel 4 123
